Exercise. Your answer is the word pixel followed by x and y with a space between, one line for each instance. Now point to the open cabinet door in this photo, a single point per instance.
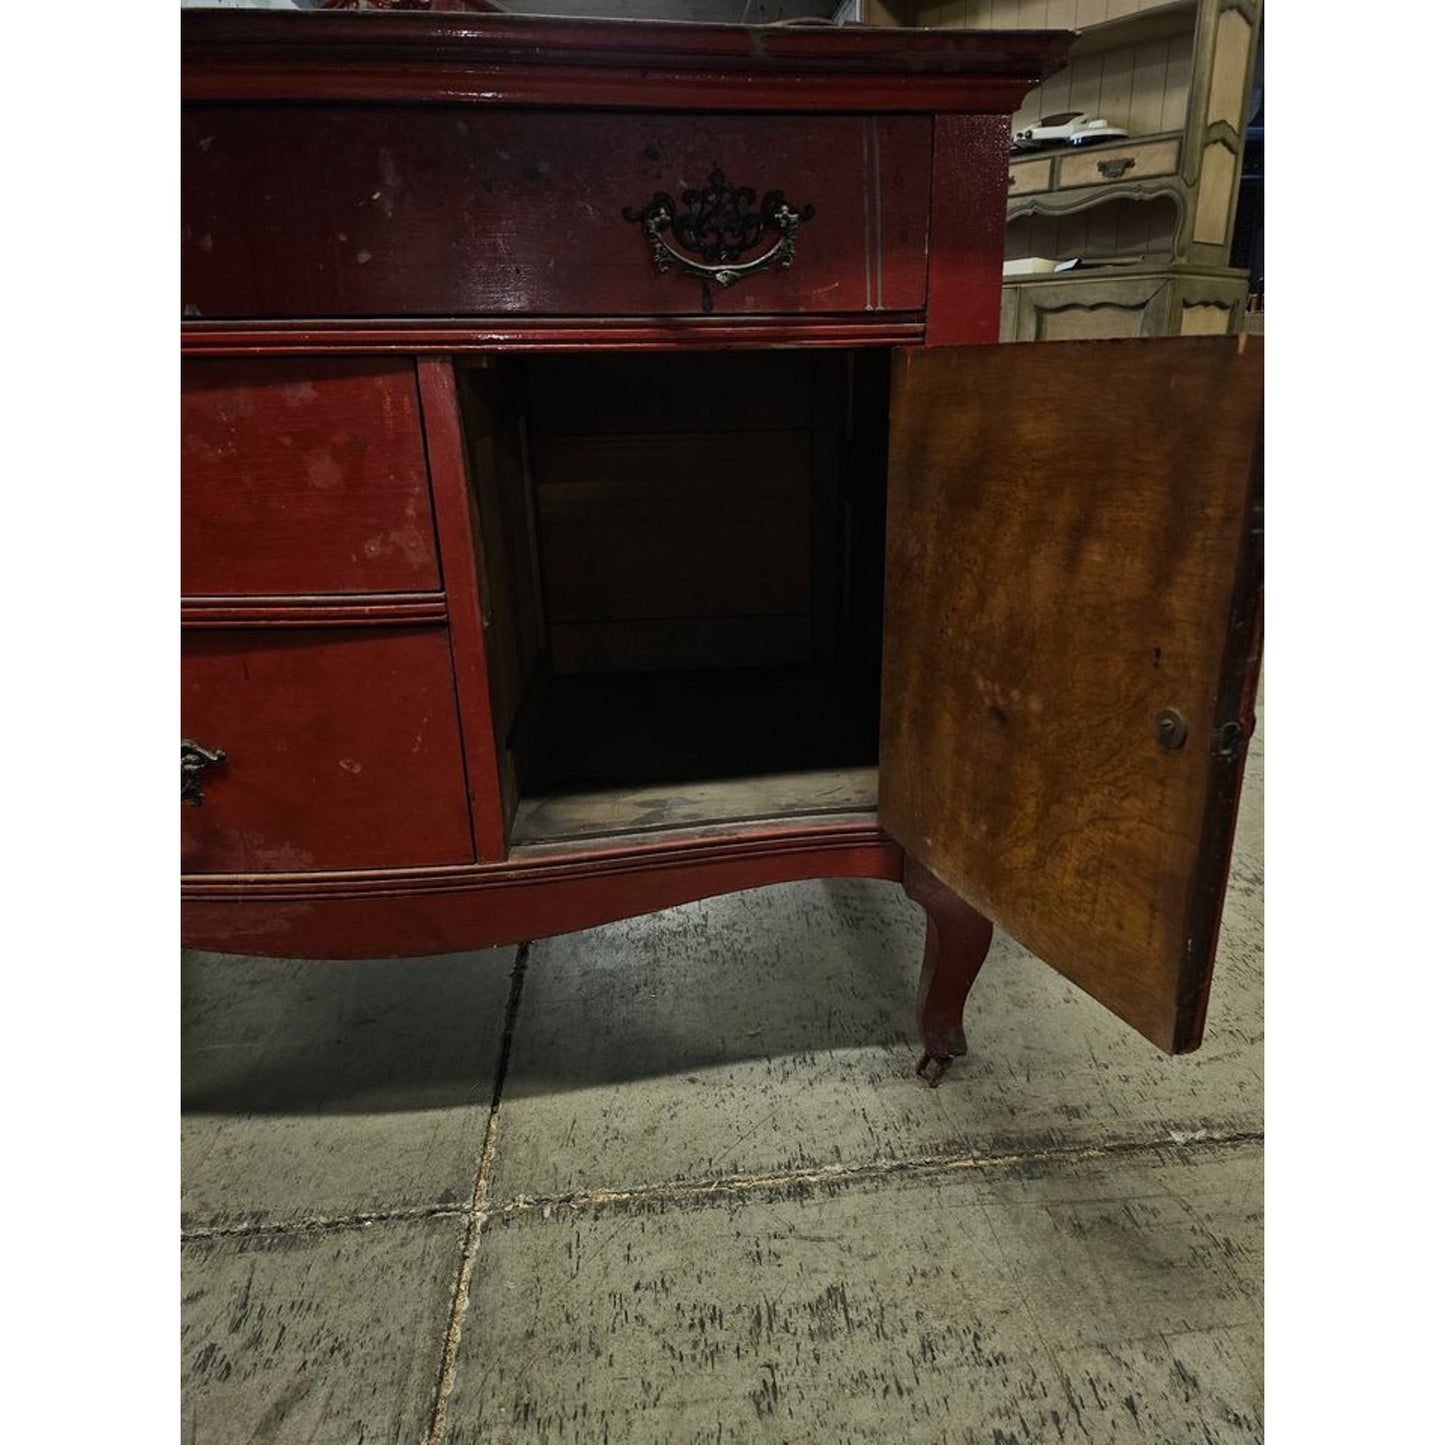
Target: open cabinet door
pixel 1071 641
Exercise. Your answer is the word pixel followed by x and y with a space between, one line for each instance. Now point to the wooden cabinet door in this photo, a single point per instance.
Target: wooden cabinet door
pixel 1071 642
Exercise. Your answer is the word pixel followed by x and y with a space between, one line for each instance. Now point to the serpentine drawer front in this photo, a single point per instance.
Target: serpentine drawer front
pixel 341 750
pixel 449 211
pixel 782 599
pixel 303 475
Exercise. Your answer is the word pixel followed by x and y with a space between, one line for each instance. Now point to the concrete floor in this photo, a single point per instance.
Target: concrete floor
pixel 673 1181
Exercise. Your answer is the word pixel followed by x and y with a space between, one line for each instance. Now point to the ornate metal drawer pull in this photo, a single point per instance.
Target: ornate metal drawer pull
pixel 194 761
pixel 1112 170
pixel 719 224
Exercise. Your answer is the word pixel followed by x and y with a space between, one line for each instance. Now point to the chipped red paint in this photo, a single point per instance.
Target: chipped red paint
pixel 374 835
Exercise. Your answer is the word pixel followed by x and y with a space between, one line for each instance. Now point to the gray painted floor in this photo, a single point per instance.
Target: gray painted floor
pixel 673 1180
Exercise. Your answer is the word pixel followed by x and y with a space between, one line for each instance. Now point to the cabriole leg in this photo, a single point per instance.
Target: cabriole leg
pixel 954 951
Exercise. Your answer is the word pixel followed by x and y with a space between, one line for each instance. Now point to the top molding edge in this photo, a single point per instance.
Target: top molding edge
pixel 230 53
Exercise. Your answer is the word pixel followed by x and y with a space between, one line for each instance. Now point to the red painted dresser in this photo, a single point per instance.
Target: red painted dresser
pixel 600 492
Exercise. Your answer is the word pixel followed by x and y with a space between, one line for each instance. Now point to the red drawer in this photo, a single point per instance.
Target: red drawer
pixel 342 751
pixel 303 475
pixel 397 211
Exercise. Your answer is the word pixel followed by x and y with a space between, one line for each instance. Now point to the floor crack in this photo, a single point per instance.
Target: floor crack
pixel 477 1212
pixel 322 1223
pixel 801 1183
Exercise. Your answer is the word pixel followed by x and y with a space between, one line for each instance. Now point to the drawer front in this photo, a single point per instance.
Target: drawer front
pixel 1027 177
pixel 439 211
pixel 1098 165
pixel 303 475
pixel 342 751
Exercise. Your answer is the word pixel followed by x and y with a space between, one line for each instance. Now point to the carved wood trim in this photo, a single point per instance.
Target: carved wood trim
pixel 515 59
pixel 1220 132
pixel 1086 198
pixel 1104 303
pixel 496 908
pixel 774 842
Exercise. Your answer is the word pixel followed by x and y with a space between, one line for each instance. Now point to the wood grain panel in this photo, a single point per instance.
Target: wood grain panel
pixel 342 751
pixel 569 816
pixel 454 211
pixel 1073 549
pixel 303 474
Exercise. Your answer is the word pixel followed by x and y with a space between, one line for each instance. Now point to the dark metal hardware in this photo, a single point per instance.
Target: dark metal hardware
pixel 1113 169
pixel 719 223
pixel 1170 729
pixel 1228 740
pixel 932 1067
pixel 194 761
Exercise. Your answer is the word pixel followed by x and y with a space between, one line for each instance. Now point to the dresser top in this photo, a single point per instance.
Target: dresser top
pixel 522 59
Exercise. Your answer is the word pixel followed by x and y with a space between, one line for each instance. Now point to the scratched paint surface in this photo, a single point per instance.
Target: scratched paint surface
pixel 328 1338
pixel 1081 1300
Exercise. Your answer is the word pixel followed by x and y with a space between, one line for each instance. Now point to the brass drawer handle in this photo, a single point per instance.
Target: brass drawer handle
pixel 194 761
pixel 1112 170
pixel 719 224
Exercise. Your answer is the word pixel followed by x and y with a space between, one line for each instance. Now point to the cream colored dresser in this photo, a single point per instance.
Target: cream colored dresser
pixel 1154 213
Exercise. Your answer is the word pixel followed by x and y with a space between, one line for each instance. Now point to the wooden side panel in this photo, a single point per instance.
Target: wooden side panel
pixel 502 532
pixel 341 745
pixel 465 579
pixel 1073 550
pixel 303 474
pixel 966 228
pixel 341 211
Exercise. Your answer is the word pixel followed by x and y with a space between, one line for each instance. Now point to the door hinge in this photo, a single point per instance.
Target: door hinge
pixel 1228 741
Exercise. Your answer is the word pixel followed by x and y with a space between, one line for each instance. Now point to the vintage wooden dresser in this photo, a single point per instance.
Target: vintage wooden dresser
pixel 601 491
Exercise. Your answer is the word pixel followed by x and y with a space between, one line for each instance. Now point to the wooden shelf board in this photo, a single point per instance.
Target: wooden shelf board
pixel 1158 23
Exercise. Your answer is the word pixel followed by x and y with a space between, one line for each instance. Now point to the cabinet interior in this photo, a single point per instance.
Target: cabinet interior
pixel 682 558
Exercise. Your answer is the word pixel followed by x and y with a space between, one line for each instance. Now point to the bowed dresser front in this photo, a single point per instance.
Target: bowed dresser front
pixel 600 492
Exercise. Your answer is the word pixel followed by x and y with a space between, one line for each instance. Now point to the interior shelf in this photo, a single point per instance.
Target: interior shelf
pixel 1159 22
